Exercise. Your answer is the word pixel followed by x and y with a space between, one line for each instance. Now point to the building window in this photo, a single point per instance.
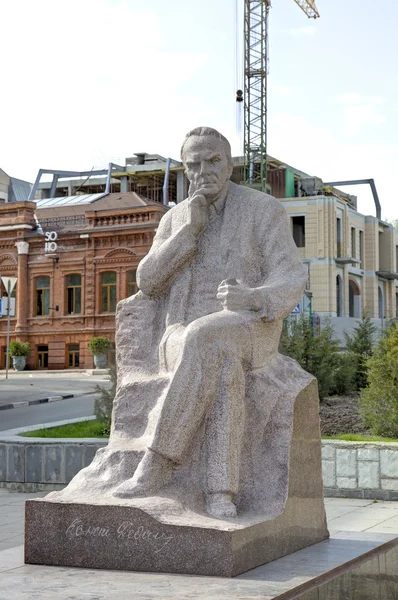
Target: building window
pixel 361 249
pixel 380 296
pixel 354 299
pixel 74 294
pixel 339 296
pixel 42 357
pixel 298 226
pixel 73 356
pixel 339 238
pixel 353 243
pixel 132 287
pixel 3 290
pixel 108 291
pixel 4 356
pixel 42 296
pixel 4 296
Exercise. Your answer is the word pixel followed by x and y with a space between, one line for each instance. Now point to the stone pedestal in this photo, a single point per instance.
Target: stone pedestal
pixel 159 534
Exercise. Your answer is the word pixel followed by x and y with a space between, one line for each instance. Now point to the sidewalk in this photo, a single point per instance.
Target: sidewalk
pixel 41 373
pixel 353 558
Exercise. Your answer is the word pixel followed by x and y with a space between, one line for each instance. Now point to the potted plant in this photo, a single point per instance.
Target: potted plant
pixel 99 347
pixel 18 352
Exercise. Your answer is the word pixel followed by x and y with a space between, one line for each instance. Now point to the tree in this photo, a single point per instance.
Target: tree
pixel 359 348
pixel 103 404
pixel 320 355
pixel 379 400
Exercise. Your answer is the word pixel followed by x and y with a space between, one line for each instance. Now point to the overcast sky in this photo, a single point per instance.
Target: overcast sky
pixel 86 82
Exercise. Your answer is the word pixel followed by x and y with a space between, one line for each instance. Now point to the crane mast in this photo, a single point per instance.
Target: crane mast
pixel 255 92
pixel 255 87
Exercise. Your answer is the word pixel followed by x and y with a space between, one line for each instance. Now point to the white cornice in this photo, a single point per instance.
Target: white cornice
pixel 11 227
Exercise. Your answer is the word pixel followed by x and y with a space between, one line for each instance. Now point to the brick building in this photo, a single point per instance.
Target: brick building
pixel 67 290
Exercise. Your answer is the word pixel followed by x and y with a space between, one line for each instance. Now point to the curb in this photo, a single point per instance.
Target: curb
pixel 42 401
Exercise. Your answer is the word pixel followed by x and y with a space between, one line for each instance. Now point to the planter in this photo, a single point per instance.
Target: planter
pixel 18 362
pixel 100 361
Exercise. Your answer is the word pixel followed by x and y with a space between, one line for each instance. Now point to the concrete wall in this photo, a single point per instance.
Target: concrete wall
pixel 342 324
pixel 34 464
pixel 350 469
pixel 360 469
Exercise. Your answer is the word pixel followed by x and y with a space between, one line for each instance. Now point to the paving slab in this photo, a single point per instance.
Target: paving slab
pixel 23 582
pixel 345 560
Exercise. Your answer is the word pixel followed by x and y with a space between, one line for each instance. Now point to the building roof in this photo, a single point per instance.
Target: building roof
pixel 72 216
pixel 69 200
pixel 19 190
pixel 100 202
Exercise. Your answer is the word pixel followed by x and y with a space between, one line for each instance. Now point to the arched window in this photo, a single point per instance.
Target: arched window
pixel 108 291
pixel 132 287
pixel 354 297
pixel 73 294
pixel 339 296
pixel 42 296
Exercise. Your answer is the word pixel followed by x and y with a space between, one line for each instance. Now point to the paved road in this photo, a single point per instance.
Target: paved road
pixel 72 408
pixel 26 387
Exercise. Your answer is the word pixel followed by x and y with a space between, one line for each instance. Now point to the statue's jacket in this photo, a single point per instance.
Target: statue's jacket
pixel 256 247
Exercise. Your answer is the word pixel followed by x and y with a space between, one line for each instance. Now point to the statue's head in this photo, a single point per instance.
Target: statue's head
pixel 206 155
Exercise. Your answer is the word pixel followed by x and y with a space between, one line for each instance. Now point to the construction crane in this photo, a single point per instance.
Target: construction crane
pixel 255 87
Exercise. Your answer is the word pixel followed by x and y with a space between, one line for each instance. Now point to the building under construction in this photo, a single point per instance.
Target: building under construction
pixel 352 258
pixel 101 224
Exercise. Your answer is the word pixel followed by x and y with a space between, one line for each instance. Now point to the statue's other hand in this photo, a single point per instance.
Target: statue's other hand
pixel 235 295
pixel 198 213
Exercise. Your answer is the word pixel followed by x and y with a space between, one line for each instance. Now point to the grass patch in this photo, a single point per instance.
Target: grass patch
pixel 355 437
pixel 83 429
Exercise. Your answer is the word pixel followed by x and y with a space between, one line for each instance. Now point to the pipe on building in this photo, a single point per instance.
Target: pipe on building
pixel 108 179
pixel 372 184
pixel 166 183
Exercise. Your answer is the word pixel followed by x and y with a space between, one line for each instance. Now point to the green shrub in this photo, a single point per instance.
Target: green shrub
pixel 103 403
pixel 359 348
pixel 320 355
pixel 100 345
pixel 18 348
pixel 379 401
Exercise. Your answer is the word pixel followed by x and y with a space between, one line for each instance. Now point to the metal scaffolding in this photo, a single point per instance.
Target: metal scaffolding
pixel 255 93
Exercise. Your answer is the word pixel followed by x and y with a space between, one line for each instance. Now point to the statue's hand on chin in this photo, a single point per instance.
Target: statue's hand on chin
pixel 198 213
pixel 235 295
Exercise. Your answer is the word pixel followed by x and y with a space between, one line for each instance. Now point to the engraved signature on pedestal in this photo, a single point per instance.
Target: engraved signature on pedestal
pixel 77 529
pixel 127 530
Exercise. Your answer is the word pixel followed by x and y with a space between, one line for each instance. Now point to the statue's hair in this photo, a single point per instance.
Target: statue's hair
pixel 204 131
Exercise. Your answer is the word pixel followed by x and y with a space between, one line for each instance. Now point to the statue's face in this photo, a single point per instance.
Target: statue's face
pixel 206 164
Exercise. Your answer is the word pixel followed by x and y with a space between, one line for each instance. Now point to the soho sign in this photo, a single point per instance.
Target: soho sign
pixel 51 245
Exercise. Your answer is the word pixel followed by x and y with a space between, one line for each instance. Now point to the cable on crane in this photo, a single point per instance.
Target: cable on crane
pixel 238 74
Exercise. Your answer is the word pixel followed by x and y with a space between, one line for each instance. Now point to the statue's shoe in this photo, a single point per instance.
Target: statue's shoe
pixel 220 506
pixel 153 472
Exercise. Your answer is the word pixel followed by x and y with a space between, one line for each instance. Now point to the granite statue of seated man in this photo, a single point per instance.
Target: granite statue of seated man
pixel 215 440
pixel 225 270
